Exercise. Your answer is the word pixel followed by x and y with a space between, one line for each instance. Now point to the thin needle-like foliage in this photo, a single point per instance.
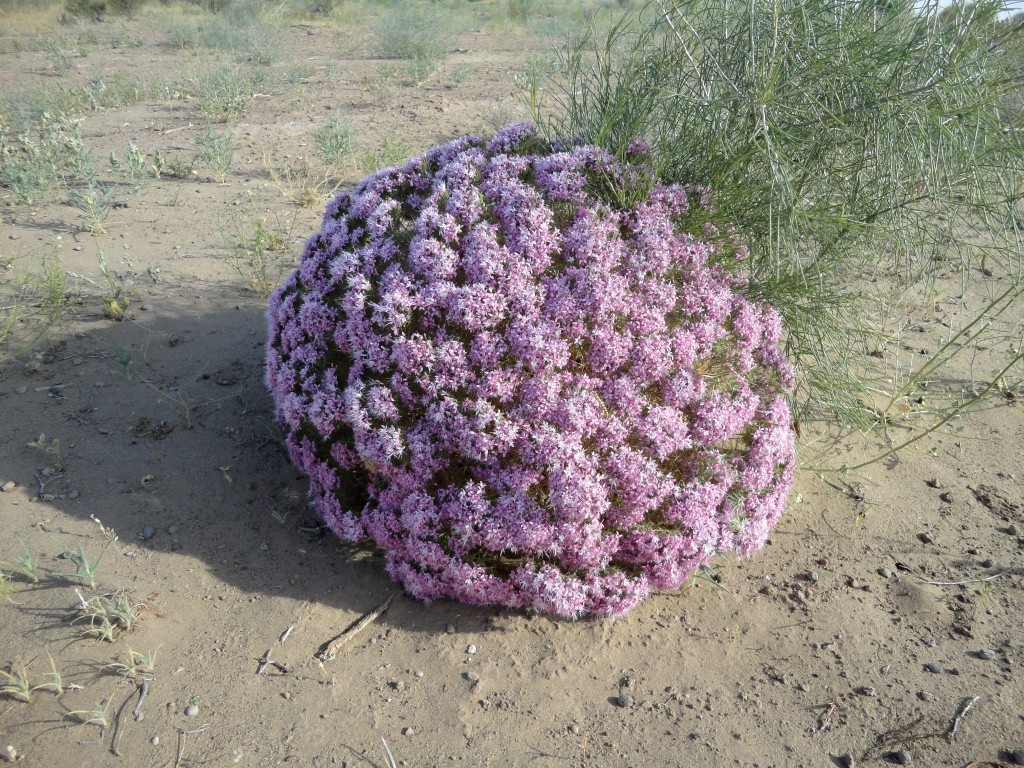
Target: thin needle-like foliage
pixel 843 140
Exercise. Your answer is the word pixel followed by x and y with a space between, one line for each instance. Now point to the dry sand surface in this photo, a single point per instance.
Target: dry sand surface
pixel 887 600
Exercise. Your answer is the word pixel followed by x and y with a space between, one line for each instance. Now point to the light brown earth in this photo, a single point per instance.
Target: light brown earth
pixel 807 656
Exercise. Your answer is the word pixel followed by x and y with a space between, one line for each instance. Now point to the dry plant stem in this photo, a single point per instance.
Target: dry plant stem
pixel 964 710
pixel 330 649
pixel 143 690
pixel 962 583
pixel 181 743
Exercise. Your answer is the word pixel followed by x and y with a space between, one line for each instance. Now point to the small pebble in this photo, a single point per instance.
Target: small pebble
pixel 935 669
pixel 1013 530
pixel 471 649
pixel 20 390
pixel 987 654
pixel 10 485
pixel 867 690
pixel 947 497
pixel 409 732
pixel 925 696
pixel 418 673
pixel 147 533
pixel 191 710
pixel 172 528
pixel 625 700
pixel 99 384
pixel 73 494
pixel 885 573
pixel 10 754
pixel 1018 756
pixel 472 677
pixel 925 538
pixel 929 640
pixel 286 695
pixel 814 576
pixel 155 740
pixel 264 546
pixel 988 563
pixel 903 757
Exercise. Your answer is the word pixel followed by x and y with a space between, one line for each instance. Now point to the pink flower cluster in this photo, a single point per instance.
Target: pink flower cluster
pixel 526 391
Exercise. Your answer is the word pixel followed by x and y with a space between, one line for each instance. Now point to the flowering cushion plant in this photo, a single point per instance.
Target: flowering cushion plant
pixel 529 375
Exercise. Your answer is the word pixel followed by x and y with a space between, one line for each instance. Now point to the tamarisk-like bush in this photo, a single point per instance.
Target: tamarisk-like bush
pixel 529 374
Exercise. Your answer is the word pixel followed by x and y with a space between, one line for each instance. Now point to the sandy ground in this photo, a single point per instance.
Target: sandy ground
pixel 842 643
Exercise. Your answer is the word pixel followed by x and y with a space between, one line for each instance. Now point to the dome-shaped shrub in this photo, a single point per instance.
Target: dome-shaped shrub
pixel 518 370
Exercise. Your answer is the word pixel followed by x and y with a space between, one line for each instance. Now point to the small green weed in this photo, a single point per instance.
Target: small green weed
pixel 27 564
pixel 258 253
pixel 86 568
pixel 98 715
pixel 217 150
pixel 334 142
pixel 137 664
pixel 52 680
pixel 6 586
pixel 227 94
pixel 393 150
pixel 132 168
pixel 49 448
pixel 94 201
pixel 108 616
pixel 14 684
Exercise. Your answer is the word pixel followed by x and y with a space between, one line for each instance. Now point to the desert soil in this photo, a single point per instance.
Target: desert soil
pixel 862 629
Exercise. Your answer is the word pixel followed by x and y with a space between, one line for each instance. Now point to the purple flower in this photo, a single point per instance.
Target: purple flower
pixel 525 393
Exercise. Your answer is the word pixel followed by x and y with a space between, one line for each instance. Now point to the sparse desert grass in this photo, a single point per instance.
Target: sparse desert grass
pixel 216 150
pixel 335 142
pixel 226 93
pixel 421 35
pixel 393 150
pixel 257 252
pixel 31 301
pixel 15 685
pixel 109 615
pixel 132 168
pixel 39 156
